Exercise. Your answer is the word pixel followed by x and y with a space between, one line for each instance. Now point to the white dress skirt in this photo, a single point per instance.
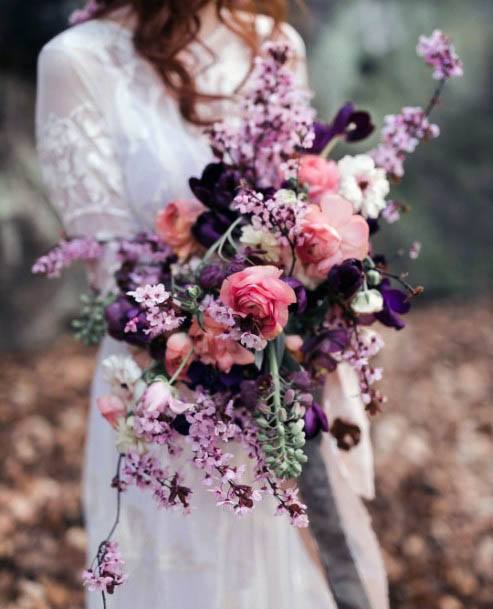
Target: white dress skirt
pixel 114 149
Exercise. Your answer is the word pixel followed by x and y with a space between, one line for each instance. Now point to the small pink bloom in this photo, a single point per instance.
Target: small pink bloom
pixel 293 342
pixel 259 292
pixel 321 176
pixel 178 347
pixel 212 345
pixel 330 234
pixel 156 397
pixel 111 407
pixel 174 225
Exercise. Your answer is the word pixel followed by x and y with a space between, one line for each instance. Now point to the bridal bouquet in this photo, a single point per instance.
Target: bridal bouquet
pixel 245 297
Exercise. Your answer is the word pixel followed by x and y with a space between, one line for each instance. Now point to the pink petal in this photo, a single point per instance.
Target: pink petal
pixel 355 235
pixel 336 209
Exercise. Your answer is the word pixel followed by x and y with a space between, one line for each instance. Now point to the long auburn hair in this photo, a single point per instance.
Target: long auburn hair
pixel 165 27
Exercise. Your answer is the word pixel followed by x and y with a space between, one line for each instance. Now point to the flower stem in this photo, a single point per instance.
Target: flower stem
pixel 180 368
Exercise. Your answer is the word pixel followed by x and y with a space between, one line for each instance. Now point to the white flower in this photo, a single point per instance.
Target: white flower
pixel 150 295
pixel 363 184
pixel 122 373
pixel 367 301
pixel 262 240
pixel 126 440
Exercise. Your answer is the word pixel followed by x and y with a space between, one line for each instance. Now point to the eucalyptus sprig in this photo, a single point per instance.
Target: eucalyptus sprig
pixel 281 423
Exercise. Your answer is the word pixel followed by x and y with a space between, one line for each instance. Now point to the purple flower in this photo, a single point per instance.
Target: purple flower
pixel 118 314
pixel 217 186
pixel 350 124
pixel 65 254
pixel 346 278
pixel 439 53
pixel 300 292
pixel 396 302
pixel 211 226
pixel 315 421
pixel 211 277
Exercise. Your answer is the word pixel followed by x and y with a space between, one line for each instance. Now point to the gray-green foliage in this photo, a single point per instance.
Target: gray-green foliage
pixel 90 326
pixel 280 420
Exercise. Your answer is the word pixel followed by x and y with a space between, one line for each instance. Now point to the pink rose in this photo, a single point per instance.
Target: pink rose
pixel 321 176
pixel 216 350
pixel 259 292
pixel 178 347
pixel 112 408
pixel 330 234
pixel 174 226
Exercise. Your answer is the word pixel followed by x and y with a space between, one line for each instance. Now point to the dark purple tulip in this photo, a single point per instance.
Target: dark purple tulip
pixel 212 277
pixel 350 124
pixel 118 314
pixel 346 278
pixel 395 303
pixel 210 226
pixel 315 421
pixel 217 186
pixel 300 292
pixel 214 380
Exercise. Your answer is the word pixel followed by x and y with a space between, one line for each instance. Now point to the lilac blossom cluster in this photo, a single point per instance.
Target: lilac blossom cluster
pixel 144 471
pixel 439 53
pixel 65 254
pixel 276 119
pixel 401 134
pixel 108 574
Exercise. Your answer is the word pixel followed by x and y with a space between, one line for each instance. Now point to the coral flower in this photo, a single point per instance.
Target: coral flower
pixel 321 176
pixel 178 348
pixel 112 408
pixel 330 234
pixel 174 225
pixel 212 345
pixel 259 292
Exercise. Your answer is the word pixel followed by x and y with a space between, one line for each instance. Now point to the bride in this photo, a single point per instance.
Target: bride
pixel 123 98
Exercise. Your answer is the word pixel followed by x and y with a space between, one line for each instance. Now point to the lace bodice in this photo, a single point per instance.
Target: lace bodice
pixel 112 144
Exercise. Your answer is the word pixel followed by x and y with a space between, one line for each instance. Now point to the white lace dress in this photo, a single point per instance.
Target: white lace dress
pixel 113 149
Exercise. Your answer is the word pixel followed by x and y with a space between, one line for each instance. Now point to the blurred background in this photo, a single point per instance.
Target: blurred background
pixel 434 449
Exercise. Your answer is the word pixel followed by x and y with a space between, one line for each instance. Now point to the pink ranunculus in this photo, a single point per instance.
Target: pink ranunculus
pixel 112 408
pixel 178 347
pixel 321 176
pixel 212 346
pixel 259 292
pixel 330 234
pixel 174 225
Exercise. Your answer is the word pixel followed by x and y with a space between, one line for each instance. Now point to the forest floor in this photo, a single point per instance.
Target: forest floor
pixel 434 459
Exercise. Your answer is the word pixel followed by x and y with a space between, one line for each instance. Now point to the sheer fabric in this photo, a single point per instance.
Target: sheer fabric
pixel 113 149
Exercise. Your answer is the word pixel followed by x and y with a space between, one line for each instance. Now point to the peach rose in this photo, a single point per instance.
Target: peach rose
pixel 330 234
pixel 174 225
pixel 259 292
pixel 321 176
pixel 218 351
pixel 178 347
pixel 112 408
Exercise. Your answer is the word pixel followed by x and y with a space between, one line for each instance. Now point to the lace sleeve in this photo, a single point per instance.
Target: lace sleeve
pixel 76 151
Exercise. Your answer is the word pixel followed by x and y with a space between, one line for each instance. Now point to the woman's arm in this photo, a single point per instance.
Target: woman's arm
pixel 76 151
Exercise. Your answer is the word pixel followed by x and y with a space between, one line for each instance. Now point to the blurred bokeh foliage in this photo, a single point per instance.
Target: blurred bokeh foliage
pixel 363 50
